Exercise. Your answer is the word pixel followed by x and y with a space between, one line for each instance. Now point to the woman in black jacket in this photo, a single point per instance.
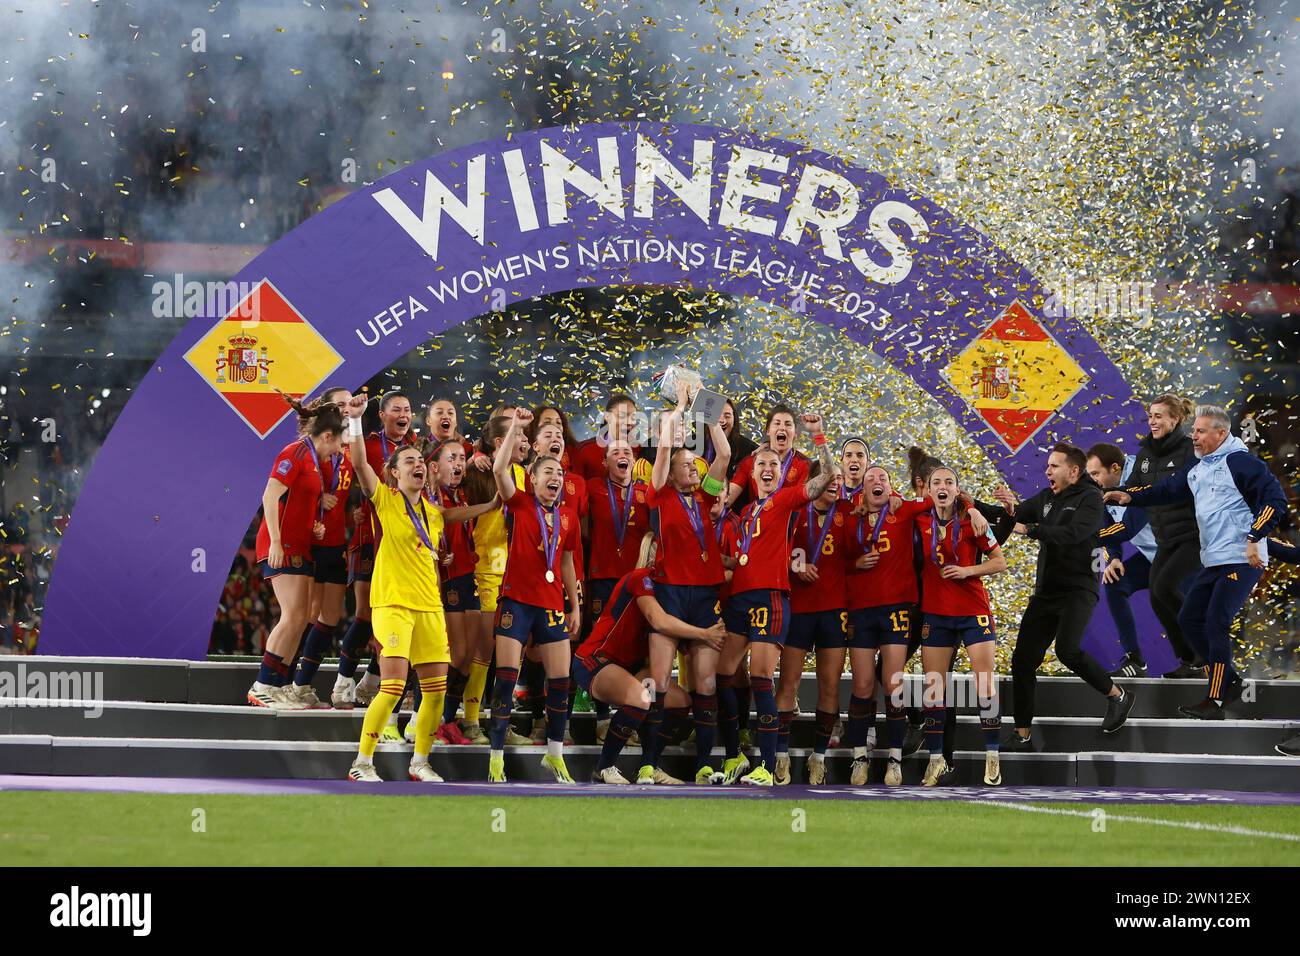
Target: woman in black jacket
pixel 1164 451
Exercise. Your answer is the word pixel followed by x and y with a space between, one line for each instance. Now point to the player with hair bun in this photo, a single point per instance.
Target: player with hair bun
pixel 290 528
pixel 540 575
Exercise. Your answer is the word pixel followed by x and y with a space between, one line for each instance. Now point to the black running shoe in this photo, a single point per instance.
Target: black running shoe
pixel 1130 666
pixel 1185 671
pixel 1117 711
pixel 1205 710
pixel 914 738
pixel 1013 743
pixel 1289 748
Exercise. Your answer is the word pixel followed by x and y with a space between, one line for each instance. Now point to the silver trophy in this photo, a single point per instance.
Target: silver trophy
pixel 675 374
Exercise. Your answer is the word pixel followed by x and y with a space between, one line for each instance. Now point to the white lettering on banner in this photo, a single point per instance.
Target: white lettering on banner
pixel 468 214
pixel 755 181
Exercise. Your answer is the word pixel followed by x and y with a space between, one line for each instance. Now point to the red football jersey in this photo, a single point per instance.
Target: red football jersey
pixel 525 574
pixel 621 634
pixel 893 579
pixel 336 479
pixel 766 561
pixel 378 448
pixel 610 509
pixel 574 494
pixel 939 595
pixel 458 537
pixel 589 460
pixel 795 464
pixel 682 559
pixel 826 545
pixel 295 468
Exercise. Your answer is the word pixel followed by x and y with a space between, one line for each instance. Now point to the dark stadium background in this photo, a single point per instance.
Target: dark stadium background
pixel 204 174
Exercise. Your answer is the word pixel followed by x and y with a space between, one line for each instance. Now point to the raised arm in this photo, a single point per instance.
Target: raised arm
pixel 367 480
pixel 1171 491
pixel 721 454
pixel 815 486
pixel 505 456
pixel 667 432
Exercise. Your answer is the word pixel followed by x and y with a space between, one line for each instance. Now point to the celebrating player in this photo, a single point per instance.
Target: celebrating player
pixel 290 528
pixel 956 610
pixel 329 562
pixel 758 612
pixel 540 573
pixel 405 598
pixel 818 623
pixel 459 593
pixel 610 666
pixel 854 459
pixel 688 570
pixel 781 431
pixel 394 432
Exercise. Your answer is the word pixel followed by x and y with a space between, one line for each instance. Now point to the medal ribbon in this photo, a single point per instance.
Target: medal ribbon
pixel 936 531
pixel 692 509
pixel 622 516
pixel 551 535
pixel 815 552
pixel 421 526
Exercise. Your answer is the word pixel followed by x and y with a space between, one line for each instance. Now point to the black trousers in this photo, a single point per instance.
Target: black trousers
pixel 1060 618
pixel 1172 569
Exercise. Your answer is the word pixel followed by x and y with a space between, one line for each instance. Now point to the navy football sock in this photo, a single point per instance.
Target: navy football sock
pixel 624 722
pixel 769 722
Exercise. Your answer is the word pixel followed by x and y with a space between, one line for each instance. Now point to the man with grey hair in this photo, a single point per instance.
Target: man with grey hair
pixel 1238 502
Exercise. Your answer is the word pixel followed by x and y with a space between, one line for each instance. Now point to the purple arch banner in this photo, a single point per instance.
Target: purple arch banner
pixel 141 567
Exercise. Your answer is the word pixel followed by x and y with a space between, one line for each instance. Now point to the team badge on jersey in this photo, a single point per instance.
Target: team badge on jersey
pixel 296 561
pixel 569 488
pixel 839 519
pixel 1047 509
pixel 453 597
pixel 507 619
pixel 1146 465
pixel 596 606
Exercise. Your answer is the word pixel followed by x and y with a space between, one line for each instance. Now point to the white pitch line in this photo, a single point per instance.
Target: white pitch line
pixel 1180 824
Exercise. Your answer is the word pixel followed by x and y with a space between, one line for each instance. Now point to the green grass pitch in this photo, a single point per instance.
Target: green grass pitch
pixel 127 829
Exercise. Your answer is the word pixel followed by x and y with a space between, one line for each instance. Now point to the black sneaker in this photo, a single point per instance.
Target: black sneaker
pixel 1185 671
pixel 1117 711
pixel 1015 744
pixel 1289 748
pixel 1205 710
pixel 1130 666
pixel 914 738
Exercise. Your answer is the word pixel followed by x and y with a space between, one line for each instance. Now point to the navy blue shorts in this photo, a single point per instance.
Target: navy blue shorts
pixel 584 670
pixel 598 591
pixel 361 563
pixel 293 564
pixel 331 563
pixel 760 616
pixel 818 630
pixel 696 604
pixel 874 627
pixel 942 630
pixel 522 621
pixel 460 594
